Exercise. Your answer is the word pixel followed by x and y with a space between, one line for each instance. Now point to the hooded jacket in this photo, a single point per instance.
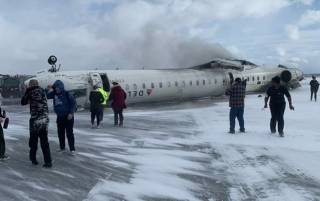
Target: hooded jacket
pixel 64 103
pixel 118 97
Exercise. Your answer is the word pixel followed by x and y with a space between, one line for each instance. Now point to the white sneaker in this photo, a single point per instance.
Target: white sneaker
pixel 73 153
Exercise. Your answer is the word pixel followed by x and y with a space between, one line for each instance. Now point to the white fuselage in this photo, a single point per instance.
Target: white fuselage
pixel 162 85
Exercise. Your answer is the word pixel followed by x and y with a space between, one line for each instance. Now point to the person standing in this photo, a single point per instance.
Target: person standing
pixel 3 155
pixel 237 95
pixel 105 96
pixel 96 107
pixel 314 87
pixel 65 107
pixel 276 93
pixel 38 124
pixel 118 97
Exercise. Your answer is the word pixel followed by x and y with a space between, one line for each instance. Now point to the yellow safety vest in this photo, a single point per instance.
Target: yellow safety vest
pixel 105 95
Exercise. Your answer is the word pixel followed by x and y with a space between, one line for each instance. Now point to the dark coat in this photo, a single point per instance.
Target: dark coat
pixel 1 116
pixel 96 101
pixel 277 95
pixel 314 84
pixel 118 97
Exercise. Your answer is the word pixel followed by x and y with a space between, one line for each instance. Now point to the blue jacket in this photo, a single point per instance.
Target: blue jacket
pixel 63 103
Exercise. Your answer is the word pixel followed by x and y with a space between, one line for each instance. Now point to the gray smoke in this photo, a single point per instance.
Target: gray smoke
pixel 157 48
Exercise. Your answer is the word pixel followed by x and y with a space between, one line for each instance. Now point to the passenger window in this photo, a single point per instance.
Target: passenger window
pixel 258 78
pixel 183 83
pixel 190 83
pixel 127 87
pixel 210 81
pixel 215 81
pixel 135 87
pixel 253 79
pixel 143 86
pixel 169 84
pixel 160 85
pixel 177 84
pixel 198 83
pixel 204 82
pixel 264 77
pixel 152 85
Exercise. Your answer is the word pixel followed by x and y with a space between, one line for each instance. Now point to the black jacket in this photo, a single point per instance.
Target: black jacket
pixel 36 97
pixel 314 84
pixel 1 116
pixel 277 95
pixel 96 100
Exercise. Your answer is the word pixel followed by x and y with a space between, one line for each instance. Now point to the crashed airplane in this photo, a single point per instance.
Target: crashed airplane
pixel 142 86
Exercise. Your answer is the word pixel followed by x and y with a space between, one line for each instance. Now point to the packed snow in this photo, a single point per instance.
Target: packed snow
pixel 174 153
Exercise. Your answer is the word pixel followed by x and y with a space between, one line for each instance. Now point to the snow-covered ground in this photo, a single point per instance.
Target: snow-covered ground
pixel 174 153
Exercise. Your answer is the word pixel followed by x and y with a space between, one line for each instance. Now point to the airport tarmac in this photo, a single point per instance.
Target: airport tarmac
pixel 172 153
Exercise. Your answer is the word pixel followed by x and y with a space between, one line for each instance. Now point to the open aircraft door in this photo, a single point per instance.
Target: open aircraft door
pixel 95 79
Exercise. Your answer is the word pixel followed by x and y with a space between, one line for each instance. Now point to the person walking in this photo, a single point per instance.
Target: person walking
pixel 237 95
pixel 314 87
pixel 276 93
pixel 118 97
pixel 3 118
pixel 96 107
pixel 38 124
pixel 65 107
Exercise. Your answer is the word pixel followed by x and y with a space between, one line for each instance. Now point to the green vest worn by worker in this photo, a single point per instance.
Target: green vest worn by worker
pixel 105 95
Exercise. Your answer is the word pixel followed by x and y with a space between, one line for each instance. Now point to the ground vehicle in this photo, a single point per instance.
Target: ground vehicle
pixel 12 86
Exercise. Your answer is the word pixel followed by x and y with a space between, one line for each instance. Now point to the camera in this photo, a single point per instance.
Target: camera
pixel 3 115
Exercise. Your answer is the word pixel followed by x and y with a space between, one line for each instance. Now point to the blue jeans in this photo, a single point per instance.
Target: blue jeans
pixel 236 112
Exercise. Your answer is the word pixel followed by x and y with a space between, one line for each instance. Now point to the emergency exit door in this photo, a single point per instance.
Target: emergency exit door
pixel 105 82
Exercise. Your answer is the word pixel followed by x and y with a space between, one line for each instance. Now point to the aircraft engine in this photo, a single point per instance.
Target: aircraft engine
pixel 286 76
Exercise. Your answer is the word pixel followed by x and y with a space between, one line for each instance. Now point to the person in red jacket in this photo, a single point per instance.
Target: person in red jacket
pixel 118 98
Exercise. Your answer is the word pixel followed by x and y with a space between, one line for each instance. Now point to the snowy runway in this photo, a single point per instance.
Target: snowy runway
pixel 173 153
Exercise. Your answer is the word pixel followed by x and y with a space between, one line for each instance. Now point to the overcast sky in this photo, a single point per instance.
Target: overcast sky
pixel 106 34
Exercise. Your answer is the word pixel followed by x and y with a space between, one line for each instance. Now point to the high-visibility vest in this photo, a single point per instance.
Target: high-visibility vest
pixel 105 95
